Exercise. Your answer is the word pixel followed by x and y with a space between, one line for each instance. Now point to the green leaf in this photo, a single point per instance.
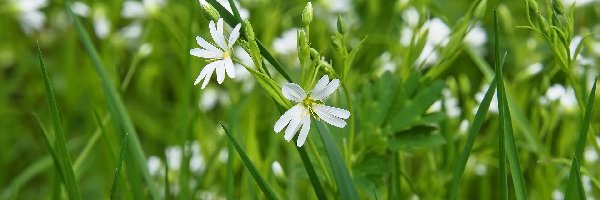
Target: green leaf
pixel 417 137
pixel 506 130
pixel 344 182
pixel 459 166
pixel 574 176
pixel 117 110
pixel 501 134
pixel 262 183
pixel 60 144
pixel 115 185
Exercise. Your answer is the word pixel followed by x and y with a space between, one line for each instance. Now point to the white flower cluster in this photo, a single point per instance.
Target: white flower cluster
pixel 220 59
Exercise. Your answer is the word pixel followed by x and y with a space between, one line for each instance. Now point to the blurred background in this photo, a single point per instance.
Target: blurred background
pixel 145 45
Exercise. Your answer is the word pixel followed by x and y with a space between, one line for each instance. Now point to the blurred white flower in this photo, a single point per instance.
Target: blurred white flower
pixel 145 49
pixel 80 8
pixel 299 115
pixel 590 155
pixel 219 57
pixel 480 170
pixel 154 165
pixel 138 10
pixel 534 68
pixel 101 23
pixel 385 63
pixel 276 168
pixel 197 164
pixel 450 104
pixel 558 195
pixel 411 17
pixel 132 31
pixel 555 92
pixel 464 126
pixel 578 2
pixel 287 43
pixel 30 17
pixel 574 43
pixel 241 73
pixel 476 37
pixel 481 94
pixel 243 12
pixel 211 96
pixel 436 37
pixel 338 6
pixel 223 155
pixel 587 183
pixel 174 157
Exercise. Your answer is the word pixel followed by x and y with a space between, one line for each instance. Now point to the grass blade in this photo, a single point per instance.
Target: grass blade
pixel 115 185
pixel 344 182
pixel 117 109
pixel 574 182
pixel 501 141
pixel 60 144
pixel 459 166
pixel 506 135
pixel 314 179
pixel 262 183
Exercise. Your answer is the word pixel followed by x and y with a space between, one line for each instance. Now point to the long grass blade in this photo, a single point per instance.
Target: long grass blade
pixel 117 109
pixel 115 185
pixel 312 175
pixel 507 140
pixel 262 183
pixel 574 182
pixel 344 182
pixel 459 166
pixel 60 144
pixel 501 135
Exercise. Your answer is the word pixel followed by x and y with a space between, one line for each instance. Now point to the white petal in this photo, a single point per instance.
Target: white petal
pixel 205 74
pixel 202 53
pixel 295 124
pixel 217 33
pixel 286 117
pixel 328 117
pixel 293 92
pixel 229 68
pixel 303 131
pixel 204 44
pixel 235 33
pixel 321 84
pixel 325 92
pixel 220 71
pixel 337 112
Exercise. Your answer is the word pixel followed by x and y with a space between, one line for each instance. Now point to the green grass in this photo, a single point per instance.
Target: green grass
pixel 104 113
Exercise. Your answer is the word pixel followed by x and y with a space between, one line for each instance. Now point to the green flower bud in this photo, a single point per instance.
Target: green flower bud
pixel 209 11
pixel 341 25
pixel 307 14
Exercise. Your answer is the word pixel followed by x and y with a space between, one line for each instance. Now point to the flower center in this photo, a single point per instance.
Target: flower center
pixel 309 103
pixel 225 54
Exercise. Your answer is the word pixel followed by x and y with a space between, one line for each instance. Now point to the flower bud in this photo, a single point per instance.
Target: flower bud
pixel 209 11
pixel 341 25
pixel 307 14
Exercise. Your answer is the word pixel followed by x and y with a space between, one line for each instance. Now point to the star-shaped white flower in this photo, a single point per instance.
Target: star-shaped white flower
pixel 299 116
pixel 220 55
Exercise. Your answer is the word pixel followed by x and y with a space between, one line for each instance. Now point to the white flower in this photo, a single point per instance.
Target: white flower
pixel 287 43
pixel 557 195
pixel 225 3
pixel 137 10
pixel 154 164
pixel 276 168
pixel 476 37
pixel 299 116
pixel 80 8
pixel 30 17
pixel 174 157
pixel 101 24
pixel 220 55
